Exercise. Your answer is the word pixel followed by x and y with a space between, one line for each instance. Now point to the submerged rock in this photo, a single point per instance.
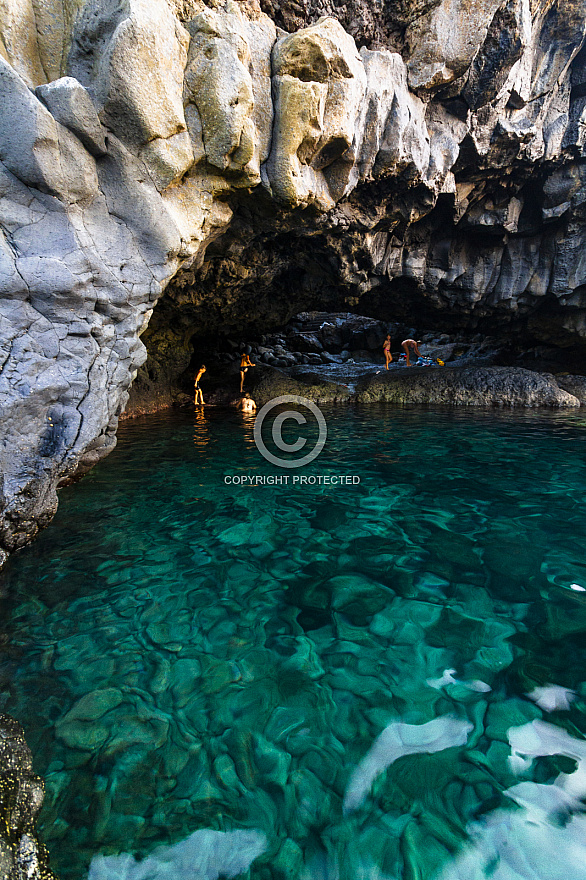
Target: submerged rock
pixel 472 386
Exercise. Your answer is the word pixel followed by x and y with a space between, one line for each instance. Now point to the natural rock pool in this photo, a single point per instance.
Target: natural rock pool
pixel 385 679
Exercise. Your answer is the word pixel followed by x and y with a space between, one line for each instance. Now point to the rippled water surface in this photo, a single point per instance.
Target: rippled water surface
pixel 304 682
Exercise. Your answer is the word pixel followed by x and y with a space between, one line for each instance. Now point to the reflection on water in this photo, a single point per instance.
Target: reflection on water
pixel 378 680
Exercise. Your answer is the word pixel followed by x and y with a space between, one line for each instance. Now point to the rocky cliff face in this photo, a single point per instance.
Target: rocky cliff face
pixel 421 157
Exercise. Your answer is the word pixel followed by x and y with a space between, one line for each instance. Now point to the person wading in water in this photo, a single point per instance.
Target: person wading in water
pixel 198 391
pixel 387 350
pixel 246 404
pixel 411 345
pixel 245 363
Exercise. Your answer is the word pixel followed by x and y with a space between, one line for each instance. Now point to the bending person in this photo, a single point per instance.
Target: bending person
pixel 245 363
pixel 409 345
pixel 387 350
pixel 198 391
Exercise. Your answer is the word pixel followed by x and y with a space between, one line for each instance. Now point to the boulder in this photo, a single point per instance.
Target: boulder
pixel 306 342
pixel 319 81
pixel 469 386
pixel 575 385
pixel 266 383
pixel 70 104
pixel 443 352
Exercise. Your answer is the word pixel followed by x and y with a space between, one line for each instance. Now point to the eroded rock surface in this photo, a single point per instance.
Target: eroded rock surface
pixel 469 386
pixel 21 797
pixel 428 159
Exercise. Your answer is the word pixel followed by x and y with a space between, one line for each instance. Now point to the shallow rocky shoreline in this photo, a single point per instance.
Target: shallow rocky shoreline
pixel 337 358
pixel 21 797
pixel 465 385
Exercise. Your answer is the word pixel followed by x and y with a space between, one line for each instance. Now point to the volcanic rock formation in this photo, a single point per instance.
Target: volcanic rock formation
pixel 435 171
pixel 21 797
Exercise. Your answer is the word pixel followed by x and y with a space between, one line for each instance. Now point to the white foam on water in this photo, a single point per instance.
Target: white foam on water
pixel 539 738
pixel 204 855
pixel 546 838
pixel 448 678
pixel 511 845
pixel 400 739
pixel 552 697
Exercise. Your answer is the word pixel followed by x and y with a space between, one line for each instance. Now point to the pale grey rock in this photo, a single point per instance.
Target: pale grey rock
pixel 444 41
pixel 70 104
pixel 394 135
pixel 399 739
pixel 138 79
pixel 36 149
pixel 218 82
pixel 168 158
pixel 312 157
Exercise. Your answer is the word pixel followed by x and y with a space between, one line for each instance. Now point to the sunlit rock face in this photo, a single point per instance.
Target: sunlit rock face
pixel 422 157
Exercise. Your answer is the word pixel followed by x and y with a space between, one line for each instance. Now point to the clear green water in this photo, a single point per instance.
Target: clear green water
pixel 222 681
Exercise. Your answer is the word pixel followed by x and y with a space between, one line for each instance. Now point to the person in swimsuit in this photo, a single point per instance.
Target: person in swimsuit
pixel 245 363
pixel 387 350
pixel 198 391
pixel 246 404
pixel 411 345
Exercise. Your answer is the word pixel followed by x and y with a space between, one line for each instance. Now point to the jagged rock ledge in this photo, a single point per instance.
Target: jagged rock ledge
pixel 468 386
pixel 21 797
pixel 451 386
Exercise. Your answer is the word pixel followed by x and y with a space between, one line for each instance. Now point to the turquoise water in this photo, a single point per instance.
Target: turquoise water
pixel 385 679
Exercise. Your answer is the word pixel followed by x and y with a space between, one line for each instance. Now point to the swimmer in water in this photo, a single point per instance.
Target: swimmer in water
pixel 387 350
pixel 245 363
pixel 198 391
pixel 246 404
pixel 411 345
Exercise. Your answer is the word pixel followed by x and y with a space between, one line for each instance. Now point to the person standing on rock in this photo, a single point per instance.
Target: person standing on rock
pixel 198 391
pixel 387 350
pixel 245 363
pixel 411 345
